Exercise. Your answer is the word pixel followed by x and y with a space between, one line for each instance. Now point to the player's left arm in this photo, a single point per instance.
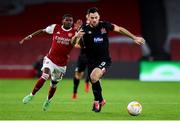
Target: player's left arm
pixel 78 35
pixel 123 31
pixel 75 40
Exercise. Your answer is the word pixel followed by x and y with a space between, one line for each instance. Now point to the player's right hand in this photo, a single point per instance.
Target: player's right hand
pixel 21 42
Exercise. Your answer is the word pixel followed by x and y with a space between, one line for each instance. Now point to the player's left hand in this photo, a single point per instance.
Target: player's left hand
pixel 78 24
pixel 139 40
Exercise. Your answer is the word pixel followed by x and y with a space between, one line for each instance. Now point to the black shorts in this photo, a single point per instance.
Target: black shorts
pixel 82 63
pixel 103 65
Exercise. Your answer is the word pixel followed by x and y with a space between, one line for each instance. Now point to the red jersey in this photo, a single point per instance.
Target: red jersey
pixel 61 45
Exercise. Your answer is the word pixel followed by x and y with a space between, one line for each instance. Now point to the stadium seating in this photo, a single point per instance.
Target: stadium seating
pixel 38 16
pixel 125 52
pixel 175 49
pixel 14 28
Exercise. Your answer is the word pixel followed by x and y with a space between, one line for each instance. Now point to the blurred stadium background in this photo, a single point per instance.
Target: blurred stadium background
pixel 156 20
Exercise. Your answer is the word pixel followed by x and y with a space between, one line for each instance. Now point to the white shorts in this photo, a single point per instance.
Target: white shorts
pixel 57 72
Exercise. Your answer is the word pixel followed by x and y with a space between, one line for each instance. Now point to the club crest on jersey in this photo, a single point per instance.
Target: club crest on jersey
pixel 57 32
pixel 70 34
pixel 89 32
pixel 103 31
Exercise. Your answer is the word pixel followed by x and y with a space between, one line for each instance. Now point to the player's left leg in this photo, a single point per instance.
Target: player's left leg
pixel 56 77
pixel 52 90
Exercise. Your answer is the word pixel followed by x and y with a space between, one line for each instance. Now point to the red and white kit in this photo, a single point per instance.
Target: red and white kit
pixel 57 58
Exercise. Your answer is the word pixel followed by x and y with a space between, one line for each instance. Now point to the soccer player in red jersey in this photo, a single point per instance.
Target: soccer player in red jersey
pixel 54 65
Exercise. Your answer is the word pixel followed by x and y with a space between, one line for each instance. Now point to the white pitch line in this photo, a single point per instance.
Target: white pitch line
pixel 109 103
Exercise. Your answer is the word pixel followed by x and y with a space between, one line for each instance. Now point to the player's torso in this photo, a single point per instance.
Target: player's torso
pixel 96 41
pixel 61 45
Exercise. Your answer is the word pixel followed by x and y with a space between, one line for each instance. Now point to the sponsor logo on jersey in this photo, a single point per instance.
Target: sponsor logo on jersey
pixel 98 40
pixel 62 40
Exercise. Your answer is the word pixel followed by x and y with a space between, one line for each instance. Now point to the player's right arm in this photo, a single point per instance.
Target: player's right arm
pixel 48 30
pixel 31 35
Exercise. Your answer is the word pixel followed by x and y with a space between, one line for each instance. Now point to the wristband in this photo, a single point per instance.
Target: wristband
pixel 30 36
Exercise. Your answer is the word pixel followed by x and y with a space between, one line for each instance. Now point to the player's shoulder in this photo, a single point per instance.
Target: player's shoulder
pixel 52 25
pixel 57 25
pixel 107 25
pixel 104 23
pixel 86 27
pixel 49 29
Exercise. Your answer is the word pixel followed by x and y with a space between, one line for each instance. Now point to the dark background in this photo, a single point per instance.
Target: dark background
pixel 156 20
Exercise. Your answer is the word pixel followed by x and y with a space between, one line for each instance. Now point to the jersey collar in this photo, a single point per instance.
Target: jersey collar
pixel 65 29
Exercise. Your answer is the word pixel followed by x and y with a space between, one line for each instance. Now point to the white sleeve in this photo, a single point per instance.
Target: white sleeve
pixel 50 29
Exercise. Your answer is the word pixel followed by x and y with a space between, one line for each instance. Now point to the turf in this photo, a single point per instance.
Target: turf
pixel 160 101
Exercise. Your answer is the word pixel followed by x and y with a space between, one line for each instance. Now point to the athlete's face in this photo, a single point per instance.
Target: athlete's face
pixel 94 19
pixel 67 22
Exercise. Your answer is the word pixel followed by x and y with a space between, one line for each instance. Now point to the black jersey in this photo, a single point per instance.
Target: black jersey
pixel 82 51
pixel 96 41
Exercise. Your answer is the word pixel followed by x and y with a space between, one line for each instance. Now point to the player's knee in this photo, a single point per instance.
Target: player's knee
pixel 94 77
pixel 53 83
pixel 78 75
pixel 45 76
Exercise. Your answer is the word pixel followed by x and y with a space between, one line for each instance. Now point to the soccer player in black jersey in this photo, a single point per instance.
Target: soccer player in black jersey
pixel 80 69
pixel 79 72
pixel 96 44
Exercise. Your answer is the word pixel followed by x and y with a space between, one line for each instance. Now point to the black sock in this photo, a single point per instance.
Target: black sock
pixel 97 91
pixel 76 84
pixel 87 79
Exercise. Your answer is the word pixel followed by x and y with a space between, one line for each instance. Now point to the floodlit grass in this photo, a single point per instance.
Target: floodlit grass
pixel 160 101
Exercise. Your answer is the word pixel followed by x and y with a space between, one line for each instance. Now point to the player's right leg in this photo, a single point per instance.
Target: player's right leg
pixel 79 72
pixel 38 85
pixel 87 84
pixel 78 75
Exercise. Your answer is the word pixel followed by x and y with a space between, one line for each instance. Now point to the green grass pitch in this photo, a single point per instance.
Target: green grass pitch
pixel 160 101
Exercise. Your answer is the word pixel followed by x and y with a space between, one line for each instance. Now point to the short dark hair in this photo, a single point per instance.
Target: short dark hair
pixel 92 10
pixel 66 15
